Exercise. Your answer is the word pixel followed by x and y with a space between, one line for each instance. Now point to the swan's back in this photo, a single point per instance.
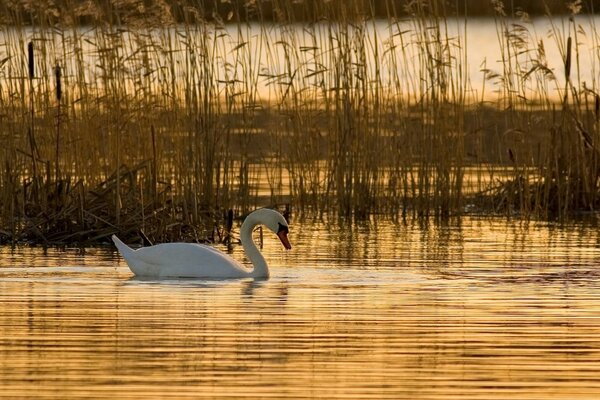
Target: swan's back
pixel 180 260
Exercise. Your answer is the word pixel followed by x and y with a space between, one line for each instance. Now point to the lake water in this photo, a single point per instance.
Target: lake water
pixel 481 308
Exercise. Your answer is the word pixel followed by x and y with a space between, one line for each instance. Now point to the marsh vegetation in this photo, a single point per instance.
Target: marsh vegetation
pixel 167 116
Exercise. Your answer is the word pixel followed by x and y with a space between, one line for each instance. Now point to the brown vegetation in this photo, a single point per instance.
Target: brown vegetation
pixel 137 121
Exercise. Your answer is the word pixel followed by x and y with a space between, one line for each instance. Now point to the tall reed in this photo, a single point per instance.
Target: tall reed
pixel 557 173
pixel 168 115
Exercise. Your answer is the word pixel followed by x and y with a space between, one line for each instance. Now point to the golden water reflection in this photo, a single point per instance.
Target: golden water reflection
pixel 484 309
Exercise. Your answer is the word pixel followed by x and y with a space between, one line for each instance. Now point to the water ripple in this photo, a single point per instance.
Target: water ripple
pixel 483 309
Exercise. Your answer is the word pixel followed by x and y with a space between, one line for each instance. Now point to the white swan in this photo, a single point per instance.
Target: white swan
pixel 190 260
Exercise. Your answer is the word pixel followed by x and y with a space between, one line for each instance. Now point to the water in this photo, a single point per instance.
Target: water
pixel 483 308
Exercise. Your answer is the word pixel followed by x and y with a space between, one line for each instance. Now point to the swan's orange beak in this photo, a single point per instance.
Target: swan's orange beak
pixel 282 234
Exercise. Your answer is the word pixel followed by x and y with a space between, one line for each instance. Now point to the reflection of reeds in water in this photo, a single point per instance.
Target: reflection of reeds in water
pixel 157 117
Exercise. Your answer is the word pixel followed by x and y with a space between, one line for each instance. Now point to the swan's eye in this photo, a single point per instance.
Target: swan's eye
pixel 283 228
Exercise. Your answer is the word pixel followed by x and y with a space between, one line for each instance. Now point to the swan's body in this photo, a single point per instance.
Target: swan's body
pixel 190 260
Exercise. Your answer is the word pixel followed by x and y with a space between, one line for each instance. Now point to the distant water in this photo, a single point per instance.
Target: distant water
pixel 484 308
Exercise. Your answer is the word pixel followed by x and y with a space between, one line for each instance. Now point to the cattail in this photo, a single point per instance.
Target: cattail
pixel 58 73
pixel 568 60
pixel 31 64
pixel 511 155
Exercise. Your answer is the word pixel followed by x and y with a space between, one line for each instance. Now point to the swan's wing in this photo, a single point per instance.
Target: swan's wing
pixel 191 254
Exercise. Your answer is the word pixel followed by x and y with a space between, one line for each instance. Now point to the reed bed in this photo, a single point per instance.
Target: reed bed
pixel 551 141
pixel 171 117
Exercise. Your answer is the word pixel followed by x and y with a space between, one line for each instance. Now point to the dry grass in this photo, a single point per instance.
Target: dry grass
pixel 166 118
pixel 556 172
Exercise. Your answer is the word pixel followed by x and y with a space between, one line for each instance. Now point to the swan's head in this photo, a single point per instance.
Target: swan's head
pixel 275 222
pixel 282 232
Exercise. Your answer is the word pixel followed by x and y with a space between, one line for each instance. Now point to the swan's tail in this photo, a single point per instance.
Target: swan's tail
pixel 125 250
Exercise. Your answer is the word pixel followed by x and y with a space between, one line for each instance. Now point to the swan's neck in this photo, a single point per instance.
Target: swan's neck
pixel 261 270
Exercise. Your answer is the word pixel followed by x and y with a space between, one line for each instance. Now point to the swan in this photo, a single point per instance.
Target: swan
pixel 191 260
